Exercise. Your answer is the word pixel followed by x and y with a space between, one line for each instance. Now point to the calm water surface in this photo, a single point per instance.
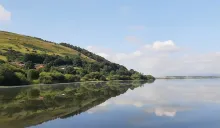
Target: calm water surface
pixel 161 104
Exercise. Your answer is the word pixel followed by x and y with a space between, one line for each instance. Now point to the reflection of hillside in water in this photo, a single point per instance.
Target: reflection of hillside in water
pixel 32 105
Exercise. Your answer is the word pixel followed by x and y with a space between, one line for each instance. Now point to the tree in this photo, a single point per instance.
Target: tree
pixel 29 65
pixel 94 76
pixel 35 58
pixel 32 74
pixel 59 62
pixel 71 78
pixel 45 78
pixel 21 78
pixel 70 70
pixel 57 77
pixel 2 61
pixel 11 75
pixel 77 62
pixel 136 76
pixel 93 67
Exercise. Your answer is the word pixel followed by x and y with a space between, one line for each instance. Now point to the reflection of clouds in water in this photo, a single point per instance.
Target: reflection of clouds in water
pixel 158 94
pixel 169 111
pixel 184 91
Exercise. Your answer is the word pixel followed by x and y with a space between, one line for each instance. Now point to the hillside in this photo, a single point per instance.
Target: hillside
pixel 27 44
pixel 32 60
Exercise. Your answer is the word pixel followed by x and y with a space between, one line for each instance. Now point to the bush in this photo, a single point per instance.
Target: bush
pixel 2 61
pixel 51 77
pixel 70 70
pixel 57 76
pixel 11 75
pixel 45 78
pixel 94 76
pixel 35 82
pixel 22 79
pixel 32 74
pixel 124 77
pixel 71 78
pixel 102 78
pixel 29 65
pixel 114 77
pixel 118 77
pixel 136 76
pixel 150 77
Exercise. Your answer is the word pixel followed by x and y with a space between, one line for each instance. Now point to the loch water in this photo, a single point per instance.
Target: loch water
pixel 118 104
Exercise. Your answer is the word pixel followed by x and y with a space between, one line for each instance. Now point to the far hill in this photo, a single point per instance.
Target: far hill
pixel 189 77
pixel 31 60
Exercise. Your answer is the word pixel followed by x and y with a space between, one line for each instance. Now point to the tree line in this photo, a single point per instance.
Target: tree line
pixel 62 69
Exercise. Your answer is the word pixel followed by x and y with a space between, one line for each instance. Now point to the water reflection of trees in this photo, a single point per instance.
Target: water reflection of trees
pixel 32 105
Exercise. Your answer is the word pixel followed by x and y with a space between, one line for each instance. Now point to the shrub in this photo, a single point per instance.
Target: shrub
pixel 21 77
pixel 72 78
pixel 2 61
pixel 93 76
pixel 29 65
pixel 136 76
pixel 32 74
pixel 57 76
pixel 11 75
pixel 35 82
pixel 45 78
pixel 102 78
pixel 124 77
pixel 114 77
pixel 70 70
pixel 150 77
pixel 119 77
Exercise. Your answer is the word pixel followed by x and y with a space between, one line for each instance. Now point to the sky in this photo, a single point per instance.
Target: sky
pixel 158 37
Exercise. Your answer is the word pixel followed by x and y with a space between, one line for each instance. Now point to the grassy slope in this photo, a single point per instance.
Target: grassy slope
pixel 27 44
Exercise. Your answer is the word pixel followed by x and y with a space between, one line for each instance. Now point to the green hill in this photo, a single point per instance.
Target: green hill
pixel 27 44
pixel 32 60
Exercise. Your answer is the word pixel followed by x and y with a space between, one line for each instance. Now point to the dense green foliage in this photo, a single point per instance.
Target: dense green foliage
pixel 2 61
pixel 33 67
pixel 10 75
pixel 58 69
pixel 85 52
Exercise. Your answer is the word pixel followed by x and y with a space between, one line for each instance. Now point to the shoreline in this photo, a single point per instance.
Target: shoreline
pixel 67 83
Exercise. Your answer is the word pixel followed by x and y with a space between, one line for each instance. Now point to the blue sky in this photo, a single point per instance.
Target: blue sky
pixel 120 26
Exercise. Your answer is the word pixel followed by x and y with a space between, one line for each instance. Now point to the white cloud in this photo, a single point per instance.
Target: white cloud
pixel 4 14
pixel 166 46
pixel 164 63
pixel 169 111
pixel 137 53
pixel 103 55
pixel 166 100
pixel 89 48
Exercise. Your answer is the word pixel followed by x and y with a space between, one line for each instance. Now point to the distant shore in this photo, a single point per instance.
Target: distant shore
pixel 189 77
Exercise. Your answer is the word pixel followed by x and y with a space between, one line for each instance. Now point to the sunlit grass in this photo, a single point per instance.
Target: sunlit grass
pixel 26 44
pixel 3 58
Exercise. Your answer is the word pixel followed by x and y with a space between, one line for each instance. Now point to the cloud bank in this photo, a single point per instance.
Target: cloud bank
pixel 162 58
